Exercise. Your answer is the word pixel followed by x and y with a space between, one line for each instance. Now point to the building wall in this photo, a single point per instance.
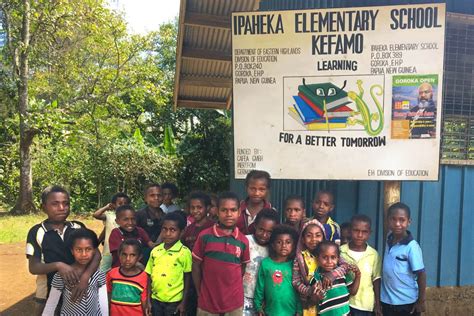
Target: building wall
pixel 442 216
pixel 442 211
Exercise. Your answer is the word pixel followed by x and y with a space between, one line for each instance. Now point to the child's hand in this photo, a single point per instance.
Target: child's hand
pixel 355 270
pixel 377 309
pixel 419 307
pixel 326 281
pixel 148 308
pixel 68 273
pixel 181 309
pixel 110 206
pixel 318 294
pixel 80 289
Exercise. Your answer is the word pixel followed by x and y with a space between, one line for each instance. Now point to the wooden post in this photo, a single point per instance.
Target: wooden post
pixel 391 194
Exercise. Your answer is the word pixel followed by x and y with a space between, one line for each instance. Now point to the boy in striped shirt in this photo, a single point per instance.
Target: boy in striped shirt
pixel 219 258
pixel 127 285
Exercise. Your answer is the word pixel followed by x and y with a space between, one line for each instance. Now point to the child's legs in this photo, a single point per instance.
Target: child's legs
pixel 357 312
pixel 235 312
pixel 41 294
pixel 163 309
pixel 39 307
pixel 249 309
pixel 398 310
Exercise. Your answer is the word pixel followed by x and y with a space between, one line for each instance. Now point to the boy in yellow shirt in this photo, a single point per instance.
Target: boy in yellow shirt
pixel 358 252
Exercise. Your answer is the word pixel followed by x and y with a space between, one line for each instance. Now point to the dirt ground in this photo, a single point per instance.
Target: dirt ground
pixel 17 287
pixel 17 284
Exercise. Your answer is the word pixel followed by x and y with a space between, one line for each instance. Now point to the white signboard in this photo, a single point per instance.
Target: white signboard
pixel 351 93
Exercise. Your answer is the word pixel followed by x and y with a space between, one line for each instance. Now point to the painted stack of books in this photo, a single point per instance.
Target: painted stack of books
pixel 311 101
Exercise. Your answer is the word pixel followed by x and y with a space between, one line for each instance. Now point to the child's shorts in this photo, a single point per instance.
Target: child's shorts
pixel 249 308
pixel 398 310
pixel 235 312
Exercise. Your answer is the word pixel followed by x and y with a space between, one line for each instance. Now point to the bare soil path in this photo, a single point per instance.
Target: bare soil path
pixel 17 284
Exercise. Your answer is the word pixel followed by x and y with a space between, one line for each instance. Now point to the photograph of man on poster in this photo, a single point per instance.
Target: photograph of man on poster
pixel 423 116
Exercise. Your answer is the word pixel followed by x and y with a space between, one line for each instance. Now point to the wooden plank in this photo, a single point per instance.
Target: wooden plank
pixel 179 49
pixel 201 104
pixel 198 81
pixel 206 54
pixel 207 20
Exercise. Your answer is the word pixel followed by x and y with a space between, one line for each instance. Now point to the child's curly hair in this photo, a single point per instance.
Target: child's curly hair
pixel 283 230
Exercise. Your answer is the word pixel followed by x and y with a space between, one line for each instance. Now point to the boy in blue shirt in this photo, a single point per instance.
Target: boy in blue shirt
pixel 403 277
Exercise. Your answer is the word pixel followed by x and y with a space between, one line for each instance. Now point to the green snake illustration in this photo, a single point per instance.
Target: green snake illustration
pixel 363 109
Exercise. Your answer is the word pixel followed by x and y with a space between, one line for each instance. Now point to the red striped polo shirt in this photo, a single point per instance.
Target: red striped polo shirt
pixel 221 259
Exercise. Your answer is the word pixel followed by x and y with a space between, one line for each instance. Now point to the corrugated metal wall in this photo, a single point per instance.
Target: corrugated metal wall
pixel 442 216
pixel 459 6
pixel 442 211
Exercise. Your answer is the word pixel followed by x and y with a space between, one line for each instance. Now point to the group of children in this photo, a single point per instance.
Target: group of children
pixel 222 256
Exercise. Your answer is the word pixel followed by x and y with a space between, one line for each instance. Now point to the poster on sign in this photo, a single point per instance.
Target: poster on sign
pixel 347 93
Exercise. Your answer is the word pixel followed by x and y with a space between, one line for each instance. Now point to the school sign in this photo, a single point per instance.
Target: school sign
pixel 351 93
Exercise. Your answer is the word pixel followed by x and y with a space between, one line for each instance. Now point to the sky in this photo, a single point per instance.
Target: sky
pixel 143 16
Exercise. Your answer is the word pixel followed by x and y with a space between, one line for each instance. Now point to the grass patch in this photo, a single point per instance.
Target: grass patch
pixel 15 228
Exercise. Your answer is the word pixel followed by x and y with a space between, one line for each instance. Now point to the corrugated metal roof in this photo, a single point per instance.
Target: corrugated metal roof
pixel 204 53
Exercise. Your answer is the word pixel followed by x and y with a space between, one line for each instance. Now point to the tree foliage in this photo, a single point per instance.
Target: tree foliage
pixel 100 106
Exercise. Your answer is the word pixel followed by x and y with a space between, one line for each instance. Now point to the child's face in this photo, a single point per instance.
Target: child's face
pixel 214 209
pixel 129 257
pixel 197 210
pixel 328 258
pixel 83 251
pixel 229 213
pixel 119 202
pixel 263 231
pixel 153 197
pixel 126 220
pixel 345 235
pixel 312 236
pixel 57 207
pixel 360 233
pixel 168 196
pixel 283 245
pixel 322 205
pixel 257 190
pixel 170 232
pixel 294 211
pixel 398 222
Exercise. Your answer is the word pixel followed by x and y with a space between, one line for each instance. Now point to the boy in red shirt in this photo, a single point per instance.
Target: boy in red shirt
pixel 128 229
pixel 219 258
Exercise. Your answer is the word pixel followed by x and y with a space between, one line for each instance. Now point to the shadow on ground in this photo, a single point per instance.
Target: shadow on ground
pixel 24 307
